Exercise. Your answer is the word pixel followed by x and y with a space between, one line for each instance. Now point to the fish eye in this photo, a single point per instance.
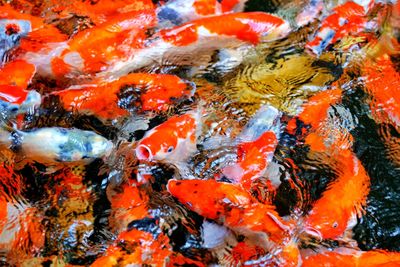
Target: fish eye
pixel 170 149
pixel 335 224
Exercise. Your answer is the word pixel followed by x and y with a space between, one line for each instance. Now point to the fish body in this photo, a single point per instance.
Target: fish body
pixel 253 159
pixel 350 257
pixel 177 12
pixel 14 79
pixel 229 204
pixel 348 18
pixel 58 145
pixel 82 54
pixel 173 141
pixel 199 38
pixel 145 249
pixel 142 92
pixel 382 83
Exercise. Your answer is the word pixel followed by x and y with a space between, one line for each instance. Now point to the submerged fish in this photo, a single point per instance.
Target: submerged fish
pixel 189 42
pixel 350 257
pixel 58 145
pixel 177 12
pixel 231 205
pixel 141 92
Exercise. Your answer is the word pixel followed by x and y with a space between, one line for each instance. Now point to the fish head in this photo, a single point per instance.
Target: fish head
pixel 174 139
pixel 326 226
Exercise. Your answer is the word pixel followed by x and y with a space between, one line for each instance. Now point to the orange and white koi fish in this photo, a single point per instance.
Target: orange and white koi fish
pixel 21 231
pixel 232 205
pixel 14 79
pixel 257 143
pixel 330 218
pixel 346 19
pixel 144 249
pixel 11 30
pixel 350 257
pixel 119 37
pixel 173 141
pixel 382 83
pixel 184 44
pixel 141 91
pixel 177 12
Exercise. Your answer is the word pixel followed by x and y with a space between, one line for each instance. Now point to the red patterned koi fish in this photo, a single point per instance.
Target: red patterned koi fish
pixel 348 18
pixel 184 44
pixel 230 204
pixel 172 141
pixel 146 92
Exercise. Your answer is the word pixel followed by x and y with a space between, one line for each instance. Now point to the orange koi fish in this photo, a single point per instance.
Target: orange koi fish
pixel 157 93
pixel 21 231
pixel 346 19
pixel 328 220
pixel 143 249
pixel 315 109
pixel 14 79
pixel 184 44
pixel 382 82
pixel 350 258
pixel 253 159
pixel 82 54
pixel 176 12
pixel 127 205
pixel 230 204
pixel 172 141
pixel 178 260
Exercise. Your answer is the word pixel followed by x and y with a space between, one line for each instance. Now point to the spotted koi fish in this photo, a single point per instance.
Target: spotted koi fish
pixel 142 92
pixel 232 205
pixel 348 18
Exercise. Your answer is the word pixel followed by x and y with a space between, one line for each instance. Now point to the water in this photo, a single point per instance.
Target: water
pixel 74 213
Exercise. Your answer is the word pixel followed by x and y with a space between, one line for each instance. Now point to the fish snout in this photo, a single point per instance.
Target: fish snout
pixel 143 152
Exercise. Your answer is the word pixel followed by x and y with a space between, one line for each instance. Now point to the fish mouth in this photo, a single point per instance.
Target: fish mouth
pixel 143 152
pixel 312 232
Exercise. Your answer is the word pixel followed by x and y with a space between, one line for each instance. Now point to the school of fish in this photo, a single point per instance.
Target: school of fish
pixel 120 144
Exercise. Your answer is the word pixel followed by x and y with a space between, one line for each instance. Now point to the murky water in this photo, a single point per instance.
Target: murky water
pixel 60 214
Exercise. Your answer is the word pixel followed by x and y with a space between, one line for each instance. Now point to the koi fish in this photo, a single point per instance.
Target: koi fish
pixel 257 145
pixel 178 45
pixel 82 54
pixel 142 91
pixel 62 146
pixel 350 257
pixel 14 79
pixel 177 12
pixel 173 141
pixel 351 186
pixel 382 83
pixel 348 18
pixel 144 249
pixel 231 205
